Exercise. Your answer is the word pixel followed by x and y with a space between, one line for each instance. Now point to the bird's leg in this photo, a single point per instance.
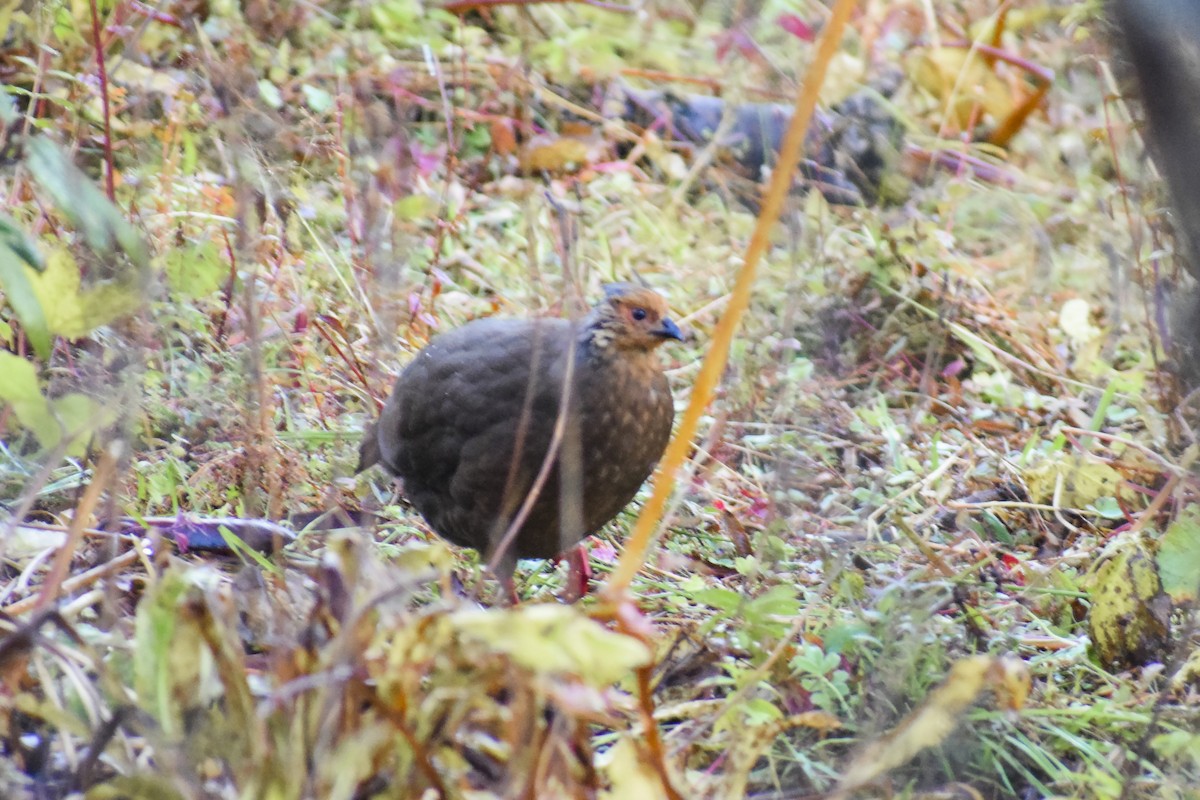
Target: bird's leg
pixel 579 573
pixel 509 588
pixel 504 569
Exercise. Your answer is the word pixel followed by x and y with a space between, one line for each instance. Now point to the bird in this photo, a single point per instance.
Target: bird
pixel 521 437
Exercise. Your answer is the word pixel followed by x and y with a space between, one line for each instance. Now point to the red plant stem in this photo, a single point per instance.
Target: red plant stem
pixel 1044 75
pixel 352 363
pixel 102 74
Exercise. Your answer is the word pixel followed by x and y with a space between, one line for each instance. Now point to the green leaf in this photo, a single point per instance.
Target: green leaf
pixel 99 221
pixel 838 638
pixel 722 599
pixel 746 565
pixel 15 266
pixel 1108 507
pixel 19 388
pixel 317 99
pixel 812 660
pixel 75 416
pixel 270 94
pixel 408 23
pixel 15 240
pixel 194 270
pixel 8 109
pixel 760 711
pixel 1179 556
pixel 245 551
pixel 778 601
pixel 1177 743
pixel 169 660
pixel 413 207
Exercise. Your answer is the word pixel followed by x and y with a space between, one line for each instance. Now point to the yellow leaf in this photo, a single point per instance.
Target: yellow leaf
pixel 19 389
pixel 78 417
pixel 1129 621
pixel 749 745
pixel 194 269
pixel 931 723
pixel 6 15
pixel 1078 481
pixel 420 557
pixel 566 154
pixel 551 638
pixel 414 207
pixel 1188 674
pixel 630 776
pixel 963 81
pixel 71 310
pixel 1075 319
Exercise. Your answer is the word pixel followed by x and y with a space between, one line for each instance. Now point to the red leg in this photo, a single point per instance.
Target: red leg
pixel 579 573
pixel 510 591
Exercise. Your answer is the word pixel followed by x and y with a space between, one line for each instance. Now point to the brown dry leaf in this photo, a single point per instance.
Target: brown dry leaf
pixel 929 725
pixel 557 155
pixel 504 141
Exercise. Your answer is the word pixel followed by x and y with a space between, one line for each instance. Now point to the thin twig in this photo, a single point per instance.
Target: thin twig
pixel 54 583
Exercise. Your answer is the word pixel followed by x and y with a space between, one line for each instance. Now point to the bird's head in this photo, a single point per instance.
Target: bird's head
pixel 631 319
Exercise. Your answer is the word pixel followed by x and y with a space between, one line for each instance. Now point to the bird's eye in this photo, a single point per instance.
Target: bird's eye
pixel 639 314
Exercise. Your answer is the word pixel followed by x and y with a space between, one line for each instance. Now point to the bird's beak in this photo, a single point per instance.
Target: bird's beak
pixel 668 330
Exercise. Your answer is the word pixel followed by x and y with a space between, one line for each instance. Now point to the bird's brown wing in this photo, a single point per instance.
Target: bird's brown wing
pixel 451 425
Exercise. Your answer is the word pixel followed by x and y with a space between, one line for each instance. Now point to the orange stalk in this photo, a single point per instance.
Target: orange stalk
pixel 640 539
